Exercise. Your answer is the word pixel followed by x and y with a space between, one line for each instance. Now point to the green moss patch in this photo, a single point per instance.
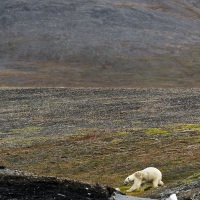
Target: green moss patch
pixel 123 189
pixel 173 128
pixel 195 176
pixel 156 131
pixel 195 127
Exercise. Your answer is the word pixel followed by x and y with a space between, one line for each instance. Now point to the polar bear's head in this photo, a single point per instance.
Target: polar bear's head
pixel 136 176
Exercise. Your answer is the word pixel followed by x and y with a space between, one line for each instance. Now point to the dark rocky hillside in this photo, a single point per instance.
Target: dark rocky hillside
pixel 119 43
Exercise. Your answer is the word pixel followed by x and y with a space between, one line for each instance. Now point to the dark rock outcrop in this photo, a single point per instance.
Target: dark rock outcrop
pixel 184 191
pixel 46 188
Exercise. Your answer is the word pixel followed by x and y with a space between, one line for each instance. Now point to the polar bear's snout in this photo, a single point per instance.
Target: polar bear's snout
pixel 128 179
pixel 125 183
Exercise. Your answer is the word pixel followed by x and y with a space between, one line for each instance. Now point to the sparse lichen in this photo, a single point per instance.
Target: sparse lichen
pixel 156 131
pixel 136 123
pixel 182 127
pixel 122 133
pixel 195 127
pixel 116 140
pixel 118 121
pixel 55 102
pixel 26 130
pixel 195 175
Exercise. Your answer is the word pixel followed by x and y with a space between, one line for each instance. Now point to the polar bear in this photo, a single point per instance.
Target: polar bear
pixel 148 175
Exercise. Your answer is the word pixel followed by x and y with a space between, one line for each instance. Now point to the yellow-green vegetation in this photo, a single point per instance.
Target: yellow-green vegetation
pixel 195 127
pixel 118 121
pixel 1 133
pixel 137 123
pixel 172 128
pixel 136 192
pixel 198 138
pixel 116 140
pixel 156 131
pixel 182 127
pixel 108 102
pixel 24 105
pixel 26 130
pixel 122 132
pixel 195 176
pixel 124 188
pixel 127 187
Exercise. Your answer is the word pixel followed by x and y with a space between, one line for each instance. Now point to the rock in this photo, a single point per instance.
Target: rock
pixel 6 171
pixel 117 196
pixel 46 188
pixel 185 191
pixel 172 197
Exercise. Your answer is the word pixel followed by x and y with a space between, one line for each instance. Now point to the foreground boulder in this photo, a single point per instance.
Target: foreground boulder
pixel 47 188
pixel 190 190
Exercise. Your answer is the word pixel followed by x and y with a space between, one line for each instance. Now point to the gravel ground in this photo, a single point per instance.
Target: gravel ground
pixel 65 110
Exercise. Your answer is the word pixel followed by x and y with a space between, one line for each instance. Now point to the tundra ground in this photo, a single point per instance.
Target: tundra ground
pixel 101 135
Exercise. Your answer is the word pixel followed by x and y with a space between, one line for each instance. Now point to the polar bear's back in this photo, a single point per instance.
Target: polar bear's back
pixel 153 173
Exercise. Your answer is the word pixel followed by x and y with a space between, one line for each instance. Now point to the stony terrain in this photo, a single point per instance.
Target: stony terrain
pixel 103 135
pixel 100 43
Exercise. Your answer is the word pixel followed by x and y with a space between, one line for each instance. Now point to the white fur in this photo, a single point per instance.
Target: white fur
pixel 148 175
pixel 172 197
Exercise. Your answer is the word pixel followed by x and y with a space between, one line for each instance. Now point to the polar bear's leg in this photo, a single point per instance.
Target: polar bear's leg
pixel 155 183
pixel 135 186
pixel 160 183
pixel 143 187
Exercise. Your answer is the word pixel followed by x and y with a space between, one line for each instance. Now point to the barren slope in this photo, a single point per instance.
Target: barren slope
pixel 100 43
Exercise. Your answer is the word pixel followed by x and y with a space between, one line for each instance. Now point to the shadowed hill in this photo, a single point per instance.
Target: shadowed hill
pixel 100 43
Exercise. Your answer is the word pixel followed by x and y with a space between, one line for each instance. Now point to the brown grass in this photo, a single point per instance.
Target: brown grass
pixel 93 157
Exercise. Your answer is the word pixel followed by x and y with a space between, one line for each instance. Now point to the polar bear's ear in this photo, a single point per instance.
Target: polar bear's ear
pixel 139 175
